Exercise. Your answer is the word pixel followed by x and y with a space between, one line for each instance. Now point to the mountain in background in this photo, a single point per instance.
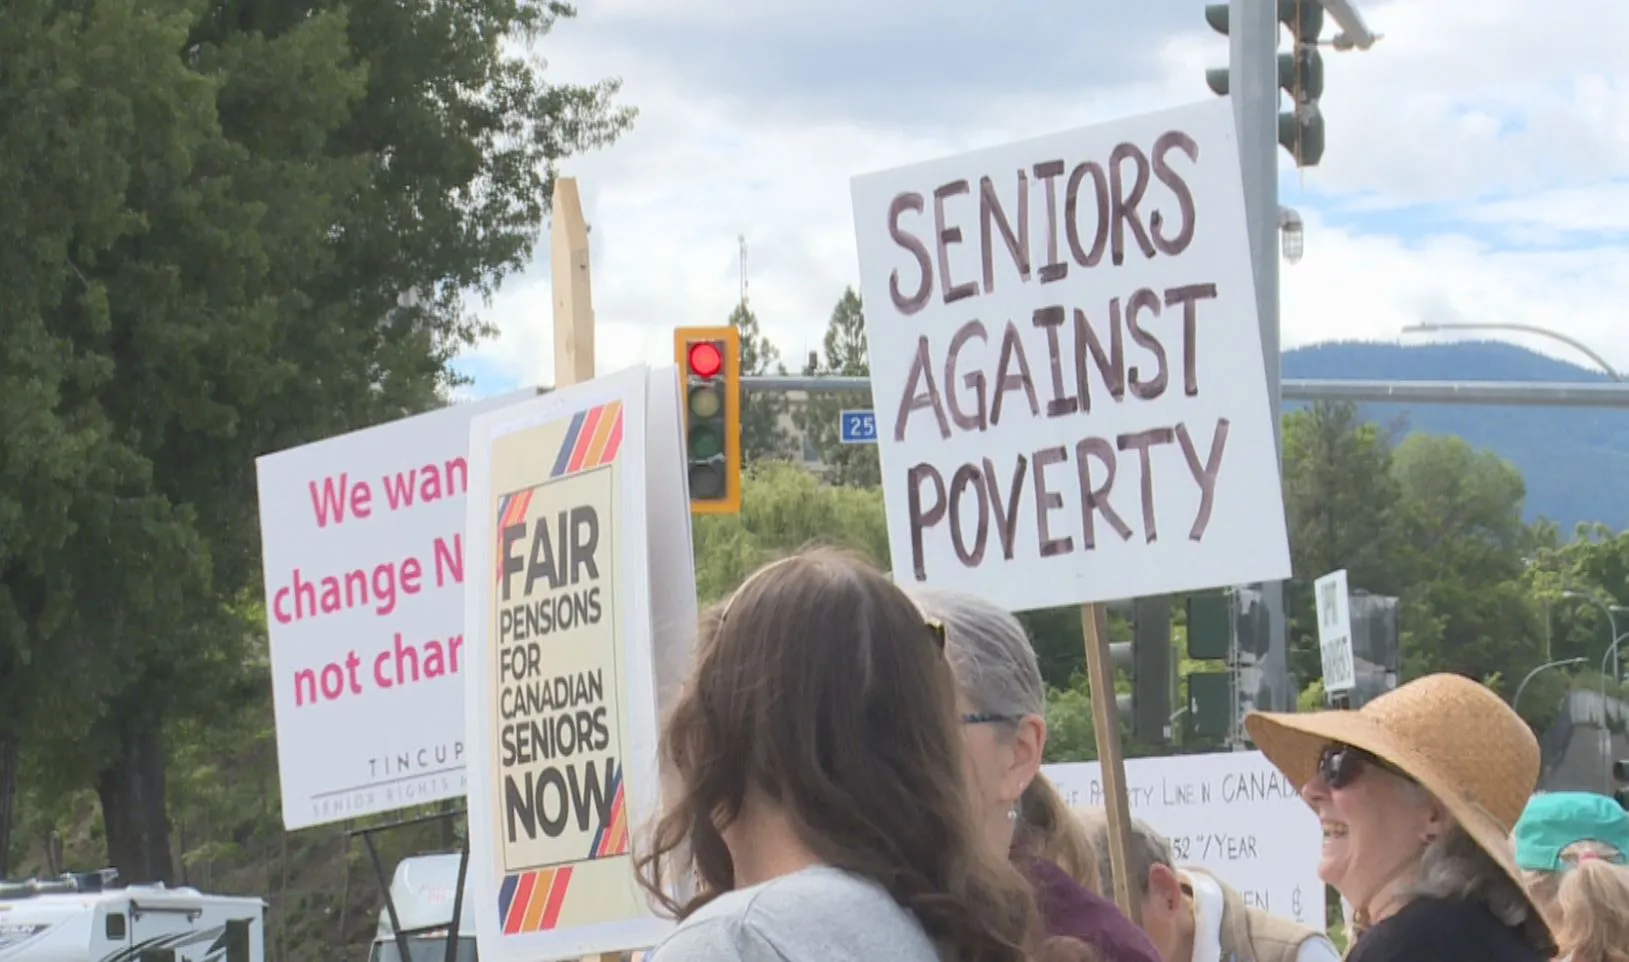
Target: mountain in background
pixel 1575 460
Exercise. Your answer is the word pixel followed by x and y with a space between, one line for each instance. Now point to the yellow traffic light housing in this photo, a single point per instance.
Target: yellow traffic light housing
pixel 709 360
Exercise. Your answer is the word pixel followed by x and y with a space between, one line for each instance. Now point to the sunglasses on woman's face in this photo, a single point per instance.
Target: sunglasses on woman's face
pixel 1340 765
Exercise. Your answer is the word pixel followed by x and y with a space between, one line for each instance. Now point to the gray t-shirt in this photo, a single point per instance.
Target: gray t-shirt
pixel 819 914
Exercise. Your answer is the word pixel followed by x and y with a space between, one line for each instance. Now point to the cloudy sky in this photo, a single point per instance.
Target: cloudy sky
pixel 1477 166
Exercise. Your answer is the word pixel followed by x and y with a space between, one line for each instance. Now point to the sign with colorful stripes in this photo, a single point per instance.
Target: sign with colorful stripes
pixel 562 684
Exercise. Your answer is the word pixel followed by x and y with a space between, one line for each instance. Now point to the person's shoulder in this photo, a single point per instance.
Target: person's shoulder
pixel 789 918
pixel 1075 911
pixel 1441 929
pixel 1317 948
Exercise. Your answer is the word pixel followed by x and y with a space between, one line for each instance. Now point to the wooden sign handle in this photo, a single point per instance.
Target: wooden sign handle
pixel 1106 721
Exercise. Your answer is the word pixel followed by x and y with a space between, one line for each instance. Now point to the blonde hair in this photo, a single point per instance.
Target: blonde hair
pixel 1592 912
pixel 1049 828
pixel 1543 887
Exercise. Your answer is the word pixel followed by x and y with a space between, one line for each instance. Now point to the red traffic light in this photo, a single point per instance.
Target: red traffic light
pixel 706 360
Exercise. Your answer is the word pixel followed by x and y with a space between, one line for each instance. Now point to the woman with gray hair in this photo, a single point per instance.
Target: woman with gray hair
pixel 1193 916
pixel 1418 792
pixel 1003 704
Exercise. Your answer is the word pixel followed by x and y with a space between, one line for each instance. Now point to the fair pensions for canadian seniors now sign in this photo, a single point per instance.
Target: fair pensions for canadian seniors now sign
pixel 362 542
pixel 1067 367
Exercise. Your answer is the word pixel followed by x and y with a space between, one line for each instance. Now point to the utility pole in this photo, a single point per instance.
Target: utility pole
pixel 1253 82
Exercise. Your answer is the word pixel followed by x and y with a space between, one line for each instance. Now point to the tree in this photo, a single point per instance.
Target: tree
pixel 1468 610
pixel 1343 509
pixel 1340 499
pixel 784 508
pixel 212 262
pixel 844 355
pixel 762 434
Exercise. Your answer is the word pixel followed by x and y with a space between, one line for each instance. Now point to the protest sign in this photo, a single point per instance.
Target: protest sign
pixel 576 498
pixel 1233 814
pixel 1335 632
pixel 1070 396
pixel 362 544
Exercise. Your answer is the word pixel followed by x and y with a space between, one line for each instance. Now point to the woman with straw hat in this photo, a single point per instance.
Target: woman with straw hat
pixel 1418 792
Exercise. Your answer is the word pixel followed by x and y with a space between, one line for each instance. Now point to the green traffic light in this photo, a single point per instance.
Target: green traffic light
pixel 705 442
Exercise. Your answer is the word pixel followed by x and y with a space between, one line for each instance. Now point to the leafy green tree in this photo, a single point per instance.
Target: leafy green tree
pixel 1344 510
pixel 1340 499
pixel 762 434
pixel 844 354
pixel 256 232
pixel 784 508
pixel 1468 610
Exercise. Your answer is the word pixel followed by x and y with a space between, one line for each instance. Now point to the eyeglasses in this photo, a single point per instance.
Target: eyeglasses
pixel 989 717
pixel 1340 765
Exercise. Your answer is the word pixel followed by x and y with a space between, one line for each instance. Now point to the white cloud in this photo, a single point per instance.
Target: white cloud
pixel 1513 122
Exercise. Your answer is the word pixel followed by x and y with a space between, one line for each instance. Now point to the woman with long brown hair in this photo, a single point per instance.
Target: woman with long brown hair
pixel 821 805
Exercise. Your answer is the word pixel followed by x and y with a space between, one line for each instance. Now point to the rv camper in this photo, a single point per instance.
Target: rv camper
pixel 422 892
pixel 87 918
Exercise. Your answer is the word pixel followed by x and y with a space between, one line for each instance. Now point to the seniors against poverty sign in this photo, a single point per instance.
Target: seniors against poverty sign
pixel 575 500
pixel 363 549
pixel 1067 367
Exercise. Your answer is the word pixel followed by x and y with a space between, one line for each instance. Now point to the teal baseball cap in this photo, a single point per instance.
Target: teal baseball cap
pixel 1553 822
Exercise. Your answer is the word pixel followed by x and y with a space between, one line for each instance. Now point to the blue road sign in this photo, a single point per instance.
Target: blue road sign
pixel 858 427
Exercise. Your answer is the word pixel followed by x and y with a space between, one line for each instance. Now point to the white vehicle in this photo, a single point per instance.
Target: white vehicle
pixel 422 890
pixel 86 918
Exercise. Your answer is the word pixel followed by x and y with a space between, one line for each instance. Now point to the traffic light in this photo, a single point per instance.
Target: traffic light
pixel 1250 627
pixel 1210 636
pixel 1620 774
pixel 1148 657
pixel 1210 703
pixel 710 358
pixel 1300 74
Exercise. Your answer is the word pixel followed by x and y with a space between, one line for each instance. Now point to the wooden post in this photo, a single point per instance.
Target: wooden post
pixel 573 295
pixel 1105 719
pixel 573 308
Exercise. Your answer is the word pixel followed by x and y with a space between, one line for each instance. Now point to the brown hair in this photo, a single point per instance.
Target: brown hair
pixel 1047 826
pixel 1592 912
pixel 822 687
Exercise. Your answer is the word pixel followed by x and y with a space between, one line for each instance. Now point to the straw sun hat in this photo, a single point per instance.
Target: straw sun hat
pixel 1459 740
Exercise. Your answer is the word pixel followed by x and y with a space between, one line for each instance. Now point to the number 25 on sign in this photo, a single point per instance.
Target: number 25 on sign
pixel 858 427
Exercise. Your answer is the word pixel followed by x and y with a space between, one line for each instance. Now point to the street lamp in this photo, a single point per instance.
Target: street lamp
pixel 1293 234
pixel 1612 626
pixel 1516 703
pixel 1577 345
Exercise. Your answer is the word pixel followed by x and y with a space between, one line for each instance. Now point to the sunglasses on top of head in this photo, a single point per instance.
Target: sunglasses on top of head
pixel 1340 765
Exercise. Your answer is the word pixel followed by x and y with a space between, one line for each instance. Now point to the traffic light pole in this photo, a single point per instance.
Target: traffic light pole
pixel 1253 88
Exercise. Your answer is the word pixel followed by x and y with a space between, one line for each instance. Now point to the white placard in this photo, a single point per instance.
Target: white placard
pixel 362 543
pixel 1233 814
pixel 1335 632
pixel 577 501
pixel 1066 365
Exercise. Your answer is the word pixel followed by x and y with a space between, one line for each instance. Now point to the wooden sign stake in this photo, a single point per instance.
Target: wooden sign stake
pixel 573 307
pixel 1106 721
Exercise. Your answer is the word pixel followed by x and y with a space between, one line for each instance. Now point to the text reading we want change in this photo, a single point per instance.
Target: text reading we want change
pixel 1125 192
pixel 304 596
